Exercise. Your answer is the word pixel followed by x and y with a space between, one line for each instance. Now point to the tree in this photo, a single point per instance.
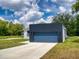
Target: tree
pixel 3 28
pixel 15 29
pixel 77 25
pixel 75 7
pixel 8 28
pixel 68 21
pixel 18 29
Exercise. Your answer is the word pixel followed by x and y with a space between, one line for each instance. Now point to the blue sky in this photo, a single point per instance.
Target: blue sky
pixel 28 11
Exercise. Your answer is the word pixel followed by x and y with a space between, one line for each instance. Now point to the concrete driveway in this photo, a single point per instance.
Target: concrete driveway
pixel 28 51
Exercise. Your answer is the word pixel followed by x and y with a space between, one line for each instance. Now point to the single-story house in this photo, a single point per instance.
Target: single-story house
pixel 47 32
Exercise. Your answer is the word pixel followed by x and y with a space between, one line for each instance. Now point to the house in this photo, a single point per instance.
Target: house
pixel 47 32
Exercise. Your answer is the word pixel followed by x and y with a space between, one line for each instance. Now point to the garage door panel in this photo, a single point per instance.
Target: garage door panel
pixel 45 37
pixel 46 34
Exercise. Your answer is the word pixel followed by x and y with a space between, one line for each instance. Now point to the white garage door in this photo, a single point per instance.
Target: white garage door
pixel 46 37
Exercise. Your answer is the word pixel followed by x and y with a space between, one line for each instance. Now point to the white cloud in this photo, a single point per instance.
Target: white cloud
pixel 40 21
pixel 14 1
pixel 48 10
pixel 54 0
pixel 27 9
pixel 62 9
pixel 21 7
pixel 16 4
pixel 64 6
pixel 70 10
pixel 70 1
pixel 31 16
pixel 48 20
pixel 1 18
pixel 15 21
pixel 18 13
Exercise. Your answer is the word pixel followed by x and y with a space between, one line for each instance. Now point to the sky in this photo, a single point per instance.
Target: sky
pixel 33 11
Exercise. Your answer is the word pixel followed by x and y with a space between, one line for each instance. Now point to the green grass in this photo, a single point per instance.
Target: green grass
pixel 67 50
pixel 11 43
pixel 5 37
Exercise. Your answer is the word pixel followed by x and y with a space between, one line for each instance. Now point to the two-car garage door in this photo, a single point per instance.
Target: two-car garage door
pixel 45 37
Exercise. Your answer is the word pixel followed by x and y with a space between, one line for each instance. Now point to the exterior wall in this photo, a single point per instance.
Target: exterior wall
pixel 64 33
pixel 26 36
pixel 47 28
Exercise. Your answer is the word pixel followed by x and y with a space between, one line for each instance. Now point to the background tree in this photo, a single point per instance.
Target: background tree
pixel 75 8
pixel 68 21
pixel 15 29
pixel 77 24
pixel 3 28
pixel 9 28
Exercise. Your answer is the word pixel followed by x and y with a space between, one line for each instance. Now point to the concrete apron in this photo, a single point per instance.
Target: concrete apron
pixel 29 51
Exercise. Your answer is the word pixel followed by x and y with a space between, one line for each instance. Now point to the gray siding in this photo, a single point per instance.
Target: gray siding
pixel 45 27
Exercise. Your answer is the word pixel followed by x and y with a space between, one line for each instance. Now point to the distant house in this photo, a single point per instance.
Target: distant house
pixel 47 32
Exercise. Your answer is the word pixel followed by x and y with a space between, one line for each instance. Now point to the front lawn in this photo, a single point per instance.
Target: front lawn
pixel 11 43
pixel 6 37
pixel 67 50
